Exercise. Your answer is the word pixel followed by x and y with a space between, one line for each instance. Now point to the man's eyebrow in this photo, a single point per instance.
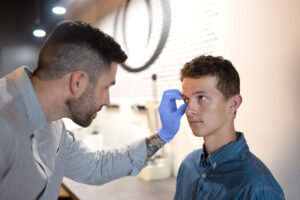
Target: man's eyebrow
pixel 113 83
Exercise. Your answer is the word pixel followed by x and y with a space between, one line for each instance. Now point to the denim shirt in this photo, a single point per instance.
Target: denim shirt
pixel 232 172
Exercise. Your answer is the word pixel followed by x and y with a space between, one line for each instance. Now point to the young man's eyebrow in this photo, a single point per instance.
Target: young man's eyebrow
pixel 195 93
pixel 199 92
pixel 183 96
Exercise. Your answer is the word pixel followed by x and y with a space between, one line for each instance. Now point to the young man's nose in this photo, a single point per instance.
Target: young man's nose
pixel 192 108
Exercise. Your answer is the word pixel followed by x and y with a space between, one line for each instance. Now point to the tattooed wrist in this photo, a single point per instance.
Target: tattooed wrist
pixel 154 143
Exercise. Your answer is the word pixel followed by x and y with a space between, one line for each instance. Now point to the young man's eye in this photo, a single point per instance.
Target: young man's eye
pixel 202 98
pixel 186 100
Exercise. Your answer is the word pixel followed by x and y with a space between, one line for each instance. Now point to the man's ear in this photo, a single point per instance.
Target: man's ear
pixel 78 83
pixel 234 103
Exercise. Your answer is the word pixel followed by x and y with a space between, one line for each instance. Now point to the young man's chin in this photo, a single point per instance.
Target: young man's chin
pixel 198 133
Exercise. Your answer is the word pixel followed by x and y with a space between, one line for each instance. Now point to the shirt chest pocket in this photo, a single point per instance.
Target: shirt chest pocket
pixel 204 193
pixel 211 189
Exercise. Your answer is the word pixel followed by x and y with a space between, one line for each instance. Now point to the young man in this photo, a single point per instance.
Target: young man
pixel 224 168
pixel 76 67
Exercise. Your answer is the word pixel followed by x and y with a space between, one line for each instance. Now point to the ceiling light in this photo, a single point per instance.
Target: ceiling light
pixel 59 10
pixel 39 33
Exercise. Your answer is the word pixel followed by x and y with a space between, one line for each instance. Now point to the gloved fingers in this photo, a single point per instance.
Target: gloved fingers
pixel 170 108
pixel 173 91
pixel 169 103
pixel 168 97
pixel 181 109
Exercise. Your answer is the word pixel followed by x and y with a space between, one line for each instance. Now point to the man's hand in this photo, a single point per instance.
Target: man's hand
pixel 170 115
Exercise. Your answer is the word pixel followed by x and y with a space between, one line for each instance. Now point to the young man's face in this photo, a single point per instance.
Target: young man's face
pixel 84 109
pixel 207 110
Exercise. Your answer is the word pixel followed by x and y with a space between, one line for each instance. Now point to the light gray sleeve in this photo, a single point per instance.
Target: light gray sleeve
pixel 7 147
pixel 86 166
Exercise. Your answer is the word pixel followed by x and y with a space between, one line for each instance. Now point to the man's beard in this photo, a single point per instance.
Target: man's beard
pixel 82 109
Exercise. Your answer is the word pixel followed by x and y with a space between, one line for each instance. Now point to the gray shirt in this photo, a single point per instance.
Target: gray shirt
pixel 35 154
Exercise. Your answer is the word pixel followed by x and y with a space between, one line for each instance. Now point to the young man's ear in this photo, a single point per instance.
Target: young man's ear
pixel 78 83
pixel 234 103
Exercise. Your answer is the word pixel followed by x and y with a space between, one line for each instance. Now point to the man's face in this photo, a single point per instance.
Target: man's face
pixel 207 107
pixel 84 109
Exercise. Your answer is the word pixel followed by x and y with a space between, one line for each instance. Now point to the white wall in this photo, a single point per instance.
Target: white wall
pixel 262 40
pixel 260 37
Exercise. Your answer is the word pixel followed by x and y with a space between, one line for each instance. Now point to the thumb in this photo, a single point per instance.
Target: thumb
pixel 181 109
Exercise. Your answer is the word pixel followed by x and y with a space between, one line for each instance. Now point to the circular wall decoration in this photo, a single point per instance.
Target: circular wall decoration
pixel 121 17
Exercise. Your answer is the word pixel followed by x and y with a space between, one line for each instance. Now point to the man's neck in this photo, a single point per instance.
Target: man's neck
pixel 49 97
pixel 216 141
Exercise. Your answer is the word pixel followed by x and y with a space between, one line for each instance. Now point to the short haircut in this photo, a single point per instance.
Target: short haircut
pixel 77 45
pixel 227 76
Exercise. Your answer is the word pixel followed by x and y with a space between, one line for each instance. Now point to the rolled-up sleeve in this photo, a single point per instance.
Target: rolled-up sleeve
pixel 99 167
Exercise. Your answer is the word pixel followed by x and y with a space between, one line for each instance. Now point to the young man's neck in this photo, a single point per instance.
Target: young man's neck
pixel 216 141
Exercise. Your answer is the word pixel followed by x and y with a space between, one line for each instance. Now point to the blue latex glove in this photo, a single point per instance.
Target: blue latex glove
pixel 170 115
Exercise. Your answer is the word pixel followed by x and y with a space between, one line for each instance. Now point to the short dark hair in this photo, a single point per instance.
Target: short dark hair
pixel 77 45
pixel 227 76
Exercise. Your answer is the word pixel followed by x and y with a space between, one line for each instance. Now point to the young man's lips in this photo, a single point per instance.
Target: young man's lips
pixel 196 122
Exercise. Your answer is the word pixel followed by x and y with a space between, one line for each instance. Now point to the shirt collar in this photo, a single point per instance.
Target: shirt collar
pixel 30 102
pixel 227 153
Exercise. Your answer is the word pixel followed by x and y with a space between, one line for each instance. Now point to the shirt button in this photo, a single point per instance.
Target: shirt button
pixel 203 175
pixel 214 165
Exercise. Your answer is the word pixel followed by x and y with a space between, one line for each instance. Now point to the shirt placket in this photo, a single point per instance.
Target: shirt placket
pixel 39 161
pixel 202 179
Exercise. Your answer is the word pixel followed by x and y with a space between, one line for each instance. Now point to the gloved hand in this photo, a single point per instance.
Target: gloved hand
pixel 170 115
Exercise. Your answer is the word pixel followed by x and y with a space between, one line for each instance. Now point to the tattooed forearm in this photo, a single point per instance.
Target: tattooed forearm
pixel 154 143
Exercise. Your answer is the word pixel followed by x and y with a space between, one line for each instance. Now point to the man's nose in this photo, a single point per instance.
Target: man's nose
pixel 106 99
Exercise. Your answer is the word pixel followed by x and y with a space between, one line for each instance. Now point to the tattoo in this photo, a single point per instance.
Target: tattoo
pixel 154 143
